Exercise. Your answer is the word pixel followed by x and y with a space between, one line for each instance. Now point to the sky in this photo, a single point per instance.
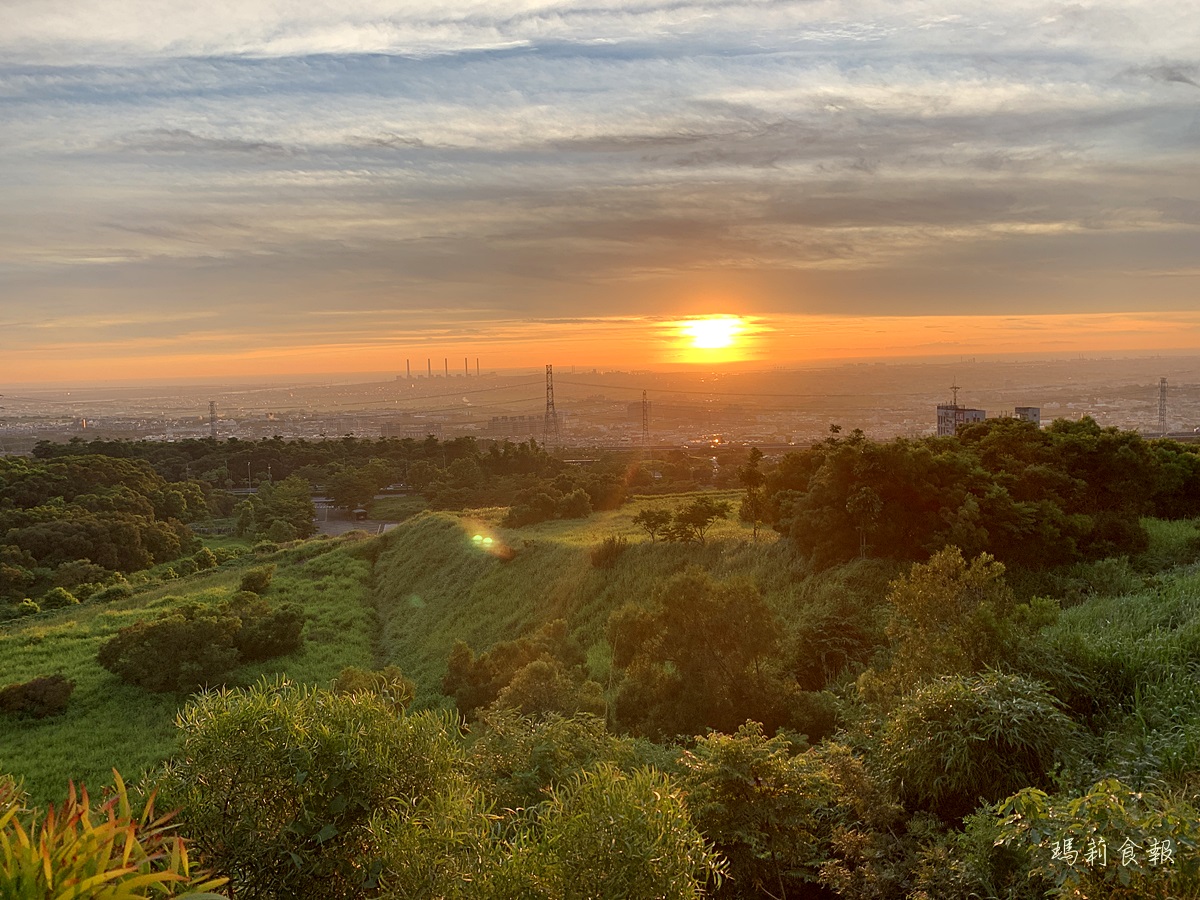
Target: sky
pixel 283 186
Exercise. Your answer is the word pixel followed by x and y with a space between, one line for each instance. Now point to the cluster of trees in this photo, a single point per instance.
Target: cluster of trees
pixel 892 744
pixel 81 520
pixel 690 521
pixel 279 511
pixel 1035 497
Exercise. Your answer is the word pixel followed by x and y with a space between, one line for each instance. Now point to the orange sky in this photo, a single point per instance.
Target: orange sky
pixel 625 342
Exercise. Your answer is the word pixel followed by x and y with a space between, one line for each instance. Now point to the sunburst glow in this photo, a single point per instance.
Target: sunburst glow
pixel 714 333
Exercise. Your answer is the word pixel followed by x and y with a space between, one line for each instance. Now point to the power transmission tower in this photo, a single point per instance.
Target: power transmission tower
pixel 645 422
pixel 212 418
pixel 955 388
pixel 550 428
pixel 1162 407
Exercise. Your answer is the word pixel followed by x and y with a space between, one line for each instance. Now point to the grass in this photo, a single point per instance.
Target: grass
pixel 396 509
pixel 435 584
pixel 110 724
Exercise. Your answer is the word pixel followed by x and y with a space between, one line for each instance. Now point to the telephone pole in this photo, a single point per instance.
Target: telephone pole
pixel 1162 407
pixel 645 423
pixel 550 427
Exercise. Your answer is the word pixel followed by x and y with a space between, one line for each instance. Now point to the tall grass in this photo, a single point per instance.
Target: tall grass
pixel 435 584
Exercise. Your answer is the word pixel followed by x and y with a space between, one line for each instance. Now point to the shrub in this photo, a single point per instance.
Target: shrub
pixel 611 835
pixel 181 651
pixel 266 631
pixel 204 559
pixel 281 532
pixel 195 646
pixel 42 697
pixel 58 598
pixel 265 548
pixel 605 554
pixel 257 580
pixel 283 785
pixel 108 849
pixel 185 567
pixel 113 592
pixel 958 739
pixel 27 607
pixel 388 684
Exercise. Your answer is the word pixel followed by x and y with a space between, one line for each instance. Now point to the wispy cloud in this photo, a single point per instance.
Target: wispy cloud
pixel 530 160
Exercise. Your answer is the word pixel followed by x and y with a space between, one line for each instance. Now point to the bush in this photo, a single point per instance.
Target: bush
pixel 265 548
pixel 257 580
pixel 185 567
pixel 268 632
pixel 113 592
pixel 27 608
pixel 42 697
pixel 960 739
pixel 204 559
pixel 611 835
pixel 388 684
pixel 119 854
pixel 283 785
pixel 607 552
pixel 281 532
pixel 195 646
pixel 58 598
pixel 182 651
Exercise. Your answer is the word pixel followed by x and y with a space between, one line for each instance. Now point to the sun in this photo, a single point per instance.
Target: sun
pixel 713 333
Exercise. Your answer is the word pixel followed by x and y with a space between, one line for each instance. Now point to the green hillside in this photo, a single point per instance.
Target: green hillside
pixel 435 584
pixel 111 724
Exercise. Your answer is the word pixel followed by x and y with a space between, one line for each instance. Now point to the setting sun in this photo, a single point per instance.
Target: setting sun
pixel 713 334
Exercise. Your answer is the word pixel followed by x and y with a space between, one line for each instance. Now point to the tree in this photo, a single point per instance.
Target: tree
pixel 949 617
pixel 763 805
pixel 655 522
pixel 754 506
pixel 692 522
pixel 701 656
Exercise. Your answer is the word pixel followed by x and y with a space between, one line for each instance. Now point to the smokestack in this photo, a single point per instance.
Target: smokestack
pixel 466 369
pixel 407 370
pixel 446 365
pixel 477 367
pixel 429 366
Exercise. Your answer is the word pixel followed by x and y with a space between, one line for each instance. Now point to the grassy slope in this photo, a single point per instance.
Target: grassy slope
pixel 110 724
pixel 435 585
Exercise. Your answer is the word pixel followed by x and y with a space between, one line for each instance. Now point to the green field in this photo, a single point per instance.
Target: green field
pixel 405 597
pixel 110 724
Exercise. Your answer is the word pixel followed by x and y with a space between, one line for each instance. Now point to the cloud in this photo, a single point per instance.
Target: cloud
pixel 1169 74
pixel 180 140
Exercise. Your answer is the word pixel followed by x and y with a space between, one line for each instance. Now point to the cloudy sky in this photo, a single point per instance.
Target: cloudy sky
pixel 259 186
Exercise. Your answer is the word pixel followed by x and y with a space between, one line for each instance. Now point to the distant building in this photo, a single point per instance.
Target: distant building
pixel 416 428
pixel 523 427
pixel 1029 414
pixel 950 416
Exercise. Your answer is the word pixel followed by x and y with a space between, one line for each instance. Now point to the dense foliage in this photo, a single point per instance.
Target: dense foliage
pixel 80 520
pixel 1037 497
pixel 195 645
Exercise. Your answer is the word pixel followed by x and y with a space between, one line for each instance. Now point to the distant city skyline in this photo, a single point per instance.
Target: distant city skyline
pixel 257 189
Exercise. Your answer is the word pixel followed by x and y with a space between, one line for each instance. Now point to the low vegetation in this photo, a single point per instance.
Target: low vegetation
pixel 911 670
